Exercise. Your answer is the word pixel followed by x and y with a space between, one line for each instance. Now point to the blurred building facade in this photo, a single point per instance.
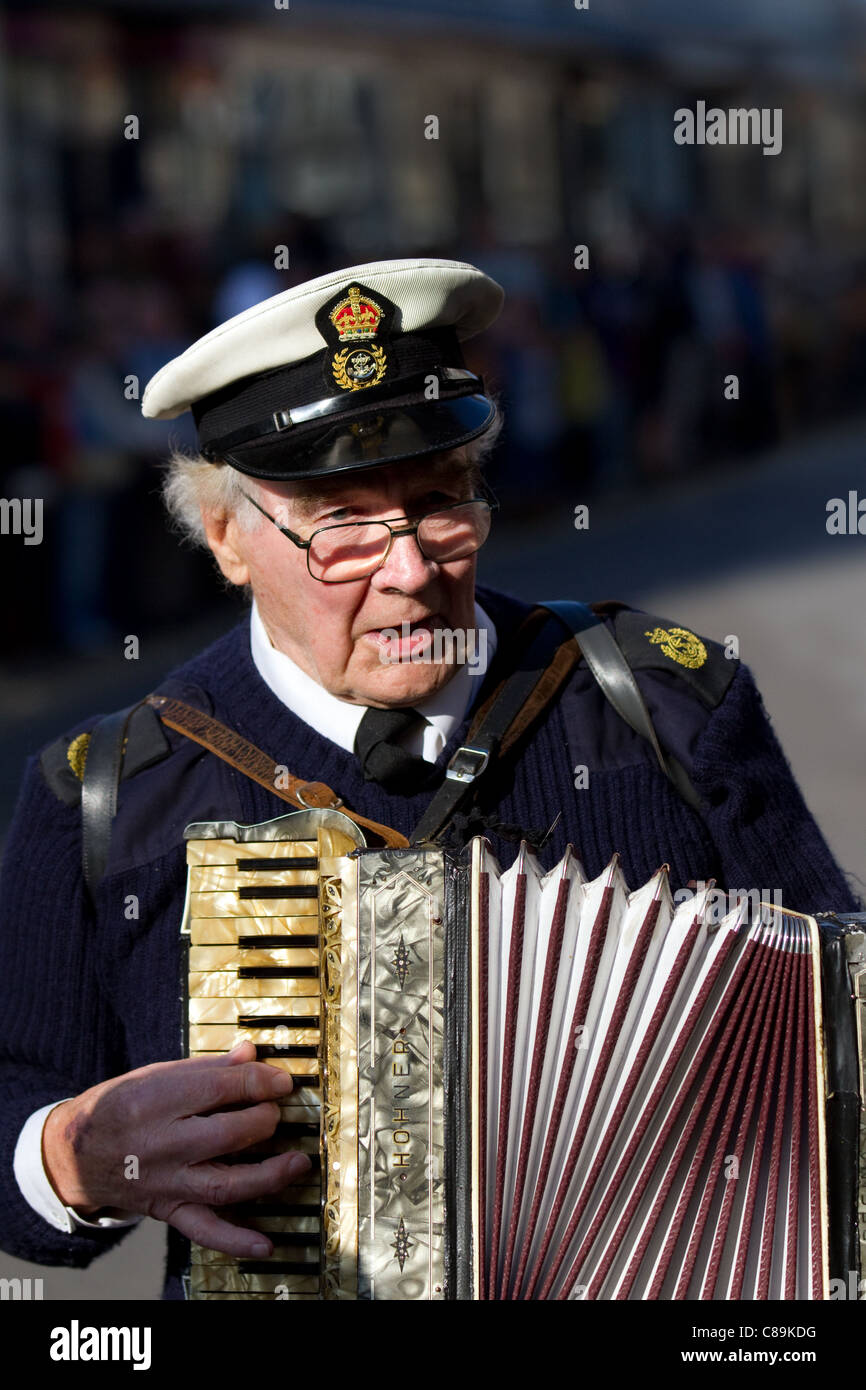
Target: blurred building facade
pixel 156 160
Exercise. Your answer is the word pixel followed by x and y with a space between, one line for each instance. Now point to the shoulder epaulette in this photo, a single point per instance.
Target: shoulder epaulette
pixel 655 643
pixel 63 760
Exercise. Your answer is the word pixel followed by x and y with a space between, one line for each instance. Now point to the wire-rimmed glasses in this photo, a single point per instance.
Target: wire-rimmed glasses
pixel 352 550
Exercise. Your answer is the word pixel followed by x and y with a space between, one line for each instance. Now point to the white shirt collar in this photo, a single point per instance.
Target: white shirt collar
pixel 338 720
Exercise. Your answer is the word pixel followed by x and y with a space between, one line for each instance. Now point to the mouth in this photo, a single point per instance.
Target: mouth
pixel 404 641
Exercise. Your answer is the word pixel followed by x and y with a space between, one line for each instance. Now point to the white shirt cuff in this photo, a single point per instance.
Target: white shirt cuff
pixel 36 1188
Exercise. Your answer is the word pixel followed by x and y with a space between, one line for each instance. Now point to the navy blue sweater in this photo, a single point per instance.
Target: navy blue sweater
pixel 91 994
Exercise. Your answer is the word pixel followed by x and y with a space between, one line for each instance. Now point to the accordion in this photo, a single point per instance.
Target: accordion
pixel 527 1085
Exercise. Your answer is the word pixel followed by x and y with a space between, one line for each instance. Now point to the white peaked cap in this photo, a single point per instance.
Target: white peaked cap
pixel 282 330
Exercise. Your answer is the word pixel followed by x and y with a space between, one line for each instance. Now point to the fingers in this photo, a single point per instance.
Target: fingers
pixel 195 1086
pixel 163 1114
pixel 202 1090
pixel 204 1137
pixel 245 1084
pixel 222 1184
pixel 244 1051
pixel 201 1224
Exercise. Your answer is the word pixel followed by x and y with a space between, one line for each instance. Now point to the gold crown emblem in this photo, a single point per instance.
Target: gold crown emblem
pixel 355 318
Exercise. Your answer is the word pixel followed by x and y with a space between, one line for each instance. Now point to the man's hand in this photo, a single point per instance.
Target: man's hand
pixel 176 1118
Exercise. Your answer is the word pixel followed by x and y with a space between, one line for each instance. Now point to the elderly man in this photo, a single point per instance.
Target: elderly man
pixel 339 482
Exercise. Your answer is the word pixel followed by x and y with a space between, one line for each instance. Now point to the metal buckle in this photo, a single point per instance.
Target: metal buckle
pixel 282 419
pixel 461 768
pixel 313 806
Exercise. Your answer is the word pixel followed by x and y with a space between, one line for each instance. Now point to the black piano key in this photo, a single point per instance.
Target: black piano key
pixel 304 1081
pixel 280 890
pixel 296 1129
pixel 256 1209
pixel 260 1151
pixel 279 1266
pixel 271 943
pixel 278 1021
pixel 278 972
pixel 308 1240
pixel 289 1051
pixel 252 866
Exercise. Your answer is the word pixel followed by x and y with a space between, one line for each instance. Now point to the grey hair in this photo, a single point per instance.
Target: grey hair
pixel 193 484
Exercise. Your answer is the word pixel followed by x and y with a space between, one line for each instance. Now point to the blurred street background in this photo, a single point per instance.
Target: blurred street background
pixel 258 128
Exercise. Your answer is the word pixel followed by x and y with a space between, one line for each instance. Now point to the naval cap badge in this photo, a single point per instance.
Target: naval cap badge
pixel 351 323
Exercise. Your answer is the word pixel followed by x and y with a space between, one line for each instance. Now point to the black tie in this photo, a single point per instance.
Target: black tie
pixel 382 758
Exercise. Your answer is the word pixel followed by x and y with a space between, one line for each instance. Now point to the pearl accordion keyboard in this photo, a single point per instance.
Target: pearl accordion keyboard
pixel 527 1085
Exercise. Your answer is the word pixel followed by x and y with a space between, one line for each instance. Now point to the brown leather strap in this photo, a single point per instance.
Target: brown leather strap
pixel 254 763
pixel 239 753
pixel 536 663
pixel 565 659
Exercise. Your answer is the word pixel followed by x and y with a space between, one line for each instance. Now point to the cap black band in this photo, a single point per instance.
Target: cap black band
pixel 455 381
pixel 401 395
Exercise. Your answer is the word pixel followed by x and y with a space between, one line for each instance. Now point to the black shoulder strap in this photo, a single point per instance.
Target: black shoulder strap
pixel 488 731
pixel 99 792
pixel 616 679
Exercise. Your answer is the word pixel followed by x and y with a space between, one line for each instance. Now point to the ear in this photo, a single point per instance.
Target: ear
pixel 225 538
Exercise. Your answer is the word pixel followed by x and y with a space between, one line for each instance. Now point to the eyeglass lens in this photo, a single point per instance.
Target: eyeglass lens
pixel 343 553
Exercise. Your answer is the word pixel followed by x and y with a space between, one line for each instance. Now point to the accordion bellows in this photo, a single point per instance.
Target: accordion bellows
pixel 650 1094
pixel 528 1085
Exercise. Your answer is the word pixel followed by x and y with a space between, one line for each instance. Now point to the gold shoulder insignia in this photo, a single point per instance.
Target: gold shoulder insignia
pixel 680 645
pixel 650 643
pixel 76 755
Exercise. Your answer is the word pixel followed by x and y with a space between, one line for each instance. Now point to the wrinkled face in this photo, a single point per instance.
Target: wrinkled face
pixel 334 631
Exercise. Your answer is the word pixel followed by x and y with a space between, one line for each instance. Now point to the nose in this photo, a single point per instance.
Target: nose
pixel 406 568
